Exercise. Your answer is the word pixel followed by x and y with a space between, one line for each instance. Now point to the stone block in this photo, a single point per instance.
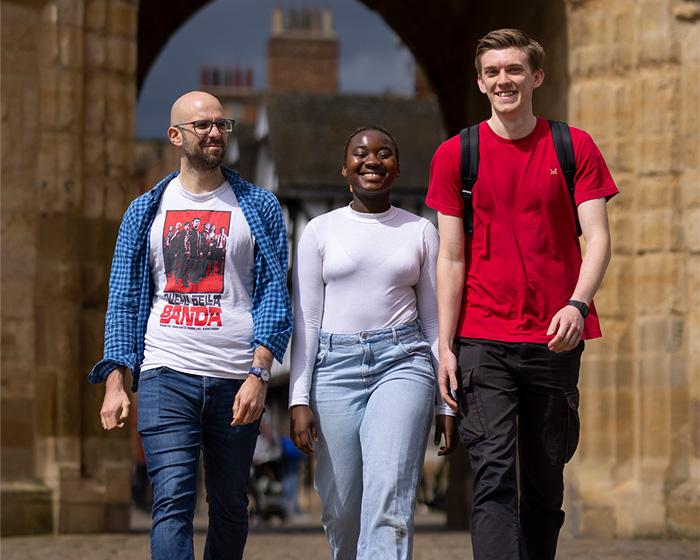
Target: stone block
pixel 683 519
pixel 659 192
pixel 619 155
pixel 48 106
pixel 94 202
pixel 653 20
pixel 616 299
pixel 69 101
pixel 70 13
pixel 12 84
pixel 27 508
pixel 68 160
pixel 597 521
pixel 95 51
pixel 58 259
pixel 661 334
pixel 92 337
pixel 49 48
pixel 94 518
pixel 71 48
pixel 661 229
pixel 18 339
pixel 623 23
pixel 658 103
pixel 625 427
pixel 623 99
pixel 690 224
pixel 95 155
pixel 19 235
pixel 15 63
pixel 654 446
pixel 19 190
pixel 591 27
pixel 20 35
pixel 46 402
pixel 18 381
pixel 649 520
pixel 116 198
pixel 58 347
pixel 657 52
pixel 121 55
pixel 659 285
pixel 591 60
pixel 622 229
pixel 596 103
pixel 17 437
pixel 122 19
pixel 96 15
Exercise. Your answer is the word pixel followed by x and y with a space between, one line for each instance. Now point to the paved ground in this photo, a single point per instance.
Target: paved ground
pixel 304 539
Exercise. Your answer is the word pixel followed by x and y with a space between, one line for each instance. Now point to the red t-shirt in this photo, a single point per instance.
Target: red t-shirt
pixel 524 258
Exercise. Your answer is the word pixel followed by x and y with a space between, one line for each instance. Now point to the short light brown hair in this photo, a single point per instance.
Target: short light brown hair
pixel 505 39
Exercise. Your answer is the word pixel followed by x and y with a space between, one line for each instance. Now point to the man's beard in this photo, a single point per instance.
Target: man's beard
pixel 200 160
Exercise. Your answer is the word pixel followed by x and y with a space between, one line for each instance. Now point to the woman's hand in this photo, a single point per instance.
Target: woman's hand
pixel 302 428
pixel 447 426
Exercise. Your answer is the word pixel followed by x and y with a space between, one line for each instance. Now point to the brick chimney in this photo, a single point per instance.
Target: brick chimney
pixel 302 52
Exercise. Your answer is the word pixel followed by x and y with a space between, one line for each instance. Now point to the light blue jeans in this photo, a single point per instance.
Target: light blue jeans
pixel 373 396
pixel 177 414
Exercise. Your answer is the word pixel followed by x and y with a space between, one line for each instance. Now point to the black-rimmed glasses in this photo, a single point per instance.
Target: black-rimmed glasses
pixel 224 126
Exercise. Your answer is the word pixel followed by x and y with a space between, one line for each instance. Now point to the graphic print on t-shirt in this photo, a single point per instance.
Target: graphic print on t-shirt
pixel 194 250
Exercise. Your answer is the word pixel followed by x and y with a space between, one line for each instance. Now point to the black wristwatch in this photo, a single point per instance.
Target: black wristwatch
pixel 582 307
pixel 263 374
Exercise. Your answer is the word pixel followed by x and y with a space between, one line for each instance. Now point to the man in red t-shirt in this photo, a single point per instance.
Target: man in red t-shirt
pixel 515 301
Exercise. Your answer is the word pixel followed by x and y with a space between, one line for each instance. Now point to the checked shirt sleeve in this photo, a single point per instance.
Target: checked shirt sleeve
pixel 272 313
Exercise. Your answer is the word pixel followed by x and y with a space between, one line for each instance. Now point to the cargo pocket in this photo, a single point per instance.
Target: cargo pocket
pixel 471 428
pixel 573 425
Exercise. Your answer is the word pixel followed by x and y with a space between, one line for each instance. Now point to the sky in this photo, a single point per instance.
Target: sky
pixel 235 33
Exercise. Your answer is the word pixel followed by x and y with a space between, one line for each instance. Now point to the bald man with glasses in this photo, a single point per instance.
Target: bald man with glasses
pixel 199 354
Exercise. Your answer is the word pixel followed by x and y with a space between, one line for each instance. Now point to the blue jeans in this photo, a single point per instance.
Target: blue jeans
pixel 373 396
pixel 517 399
pixel 178 414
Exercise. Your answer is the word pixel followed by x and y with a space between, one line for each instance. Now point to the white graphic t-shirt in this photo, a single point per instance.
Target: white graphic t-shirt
pixel 201 258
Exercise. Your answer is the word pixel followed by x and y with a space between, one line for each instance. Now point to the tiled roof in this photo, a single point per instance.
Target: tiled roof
pixel 307 133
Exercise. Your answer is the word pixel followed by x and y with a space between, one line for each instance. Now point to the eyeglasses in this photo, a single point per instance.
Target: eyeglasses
pixel 224 126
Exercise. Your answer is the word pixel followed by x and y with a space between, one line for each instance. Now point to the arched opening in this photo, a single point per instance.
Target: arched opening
pixel 442 38
pixel 440 35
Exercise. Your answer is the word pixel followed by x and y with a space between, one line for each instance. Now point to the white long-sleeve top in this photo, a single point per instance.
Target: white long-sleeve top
pixel 358 272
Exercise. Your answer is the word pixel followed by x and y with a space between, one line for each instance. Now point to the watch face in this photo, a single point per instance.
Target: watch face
pixel 262 373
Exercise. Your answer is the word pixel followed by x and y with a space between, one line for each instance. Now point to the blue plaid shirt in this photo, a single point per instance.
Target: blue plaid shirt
pixel 131 286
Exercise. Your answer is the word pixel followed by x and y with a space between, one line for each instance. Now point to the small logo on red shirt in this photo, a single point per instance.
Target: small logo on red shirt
pixel 554 171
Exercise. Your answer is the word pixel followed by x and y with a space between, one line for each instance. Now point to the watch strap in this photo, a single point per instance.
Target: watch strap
pixel 582 307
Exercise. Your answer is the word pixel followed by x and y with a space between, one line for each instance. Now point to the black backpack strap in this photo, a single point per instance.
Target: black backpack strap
pixel 561 136
pixel 469 145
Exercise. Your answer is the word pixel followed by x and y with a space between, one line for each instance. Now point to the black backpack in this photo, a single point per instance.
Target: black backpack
pixel 469 145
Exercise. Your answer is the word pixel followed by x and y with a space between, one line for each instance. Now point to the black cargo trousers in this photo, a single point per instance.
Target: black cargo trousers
pixel 518 402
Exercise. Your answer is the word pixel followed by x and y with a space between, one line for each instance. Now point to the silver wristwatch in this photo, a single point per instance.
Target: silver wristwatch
pixel 263 374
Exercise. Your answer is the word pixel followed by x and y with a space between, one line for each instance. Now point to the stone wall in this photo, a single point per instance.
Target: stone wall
pixel 634 69
pixel 68 106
